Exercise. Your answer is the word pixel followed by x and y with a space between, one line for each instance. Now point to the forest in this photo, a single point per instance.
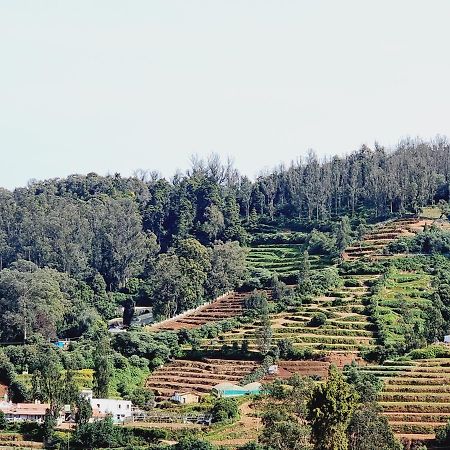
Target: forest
pixel 74 249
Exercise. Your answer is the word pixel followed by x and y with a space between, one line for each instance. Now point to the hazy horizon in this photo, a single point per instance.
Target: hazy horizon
pixel 113 86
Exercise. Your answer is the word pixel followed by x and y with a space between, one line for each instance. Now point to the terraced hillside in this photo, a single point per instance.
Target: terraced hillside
pixel 197 376
pixel 373 243
pixel 281 253
pixel 282 259
pixel 313 368
pixel 416 395
pixel 224 307
pixel 401 297
pixel 347 328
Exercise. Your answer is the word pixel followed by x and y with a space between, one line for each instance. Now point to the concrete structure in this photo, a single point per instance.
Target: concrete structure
pixel 119 410
pixel 233 390
pixel 185 398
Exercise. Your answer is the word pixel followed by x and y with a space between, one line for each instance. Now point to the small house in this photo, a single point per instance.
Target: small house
pixel 233 390
pixel 27 412
pixel 185 398
pixel 119 410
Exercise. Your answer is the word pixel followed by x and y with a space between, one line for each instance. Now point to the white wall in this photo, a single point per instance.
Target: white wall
pixel 118 409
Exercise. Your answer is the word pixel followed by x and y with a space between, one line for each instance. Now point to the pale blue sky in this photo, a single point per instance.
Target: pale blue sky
pixel 109 85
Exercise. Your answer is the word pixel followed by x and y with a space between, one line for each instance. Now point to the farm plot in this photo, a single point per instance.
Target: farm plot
pixel 402 303
pixel 223 308
pixel 313 368
pixel 373 243
pixel 416 395
pixel 282 259
pixel 197 376
pixel 346 329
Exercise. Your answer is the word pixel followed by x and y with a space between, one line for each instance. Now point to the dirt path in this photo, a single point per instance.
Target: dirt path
pixel 244 430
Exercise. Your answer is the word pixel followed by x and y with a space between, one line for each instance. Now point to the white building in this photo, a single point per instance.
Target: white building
pixel 119 410
pixel 185 398
pixel 26 412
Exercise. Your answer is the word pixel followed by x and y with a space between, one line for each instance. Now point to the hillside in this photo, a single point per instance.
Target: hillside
pixel 413 397
pixel 238 276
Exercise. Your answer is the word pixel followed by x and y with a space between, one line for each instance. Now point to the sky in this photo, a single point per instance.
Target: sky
pixel 113 86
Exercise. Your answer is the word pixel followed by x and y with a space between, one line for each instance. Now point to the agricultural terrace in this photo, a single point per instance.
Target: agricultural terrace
pixel 197 376
pixel 281 253
pixel 368 304
pixel 373 243
pixel 347 327
pixel 225 307
pixel 415 396
pixel 402 299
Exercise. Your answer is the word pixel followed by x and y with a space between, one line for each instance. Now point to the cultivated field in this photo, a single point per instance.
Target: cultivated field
pixel 225 307
pixel 282 259
pixel 373 243
pixel 416 395
pixel 347 329
pixel 197 376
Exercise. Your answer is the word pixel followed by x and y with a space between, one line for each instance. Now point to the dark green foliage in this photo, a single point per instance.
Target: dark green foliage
pixel 97 435
pixel 102 367
pixel 264 335
pixel 361 267
pixel 318 319
pixel 284 433
pixel 432 240
pixel 319 243
pixel 367 385
pixel 225 409
pixel 284 419
pixel 343 234
pixel 48 427
pixel 142 397
pixel 3 421
pixel 252 446
pixel 256 304
pixel 157 348
pixel 443 434
pixel 8 375
pixel 193 444
pixel 330 410
pixel 369 430
pixel 83 411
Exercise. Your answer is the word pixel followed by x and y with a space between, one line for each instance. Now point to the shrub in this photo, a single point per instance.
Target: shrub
pixel 318 319
pixel 225 409
pixel 319 243
pixel 256 303
pixel 352 282
pixel 429 352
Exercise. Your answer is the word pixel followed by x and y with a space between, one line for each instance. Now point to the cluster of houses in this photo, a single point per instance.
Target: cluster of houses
pixel 118 410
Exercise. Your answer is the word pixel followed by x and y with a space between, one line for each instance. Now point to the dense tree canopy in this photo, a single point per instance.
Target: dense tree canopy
pixel 72 250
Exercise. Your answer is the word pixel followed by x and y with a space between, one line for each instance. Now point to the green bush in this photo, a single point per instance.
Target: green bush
pixel 318 319
pixel 225 409
pixel 430 352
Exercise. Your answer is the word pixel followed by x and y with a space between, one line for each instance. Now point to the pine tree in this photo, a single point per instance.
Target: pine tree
pixel 330 410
